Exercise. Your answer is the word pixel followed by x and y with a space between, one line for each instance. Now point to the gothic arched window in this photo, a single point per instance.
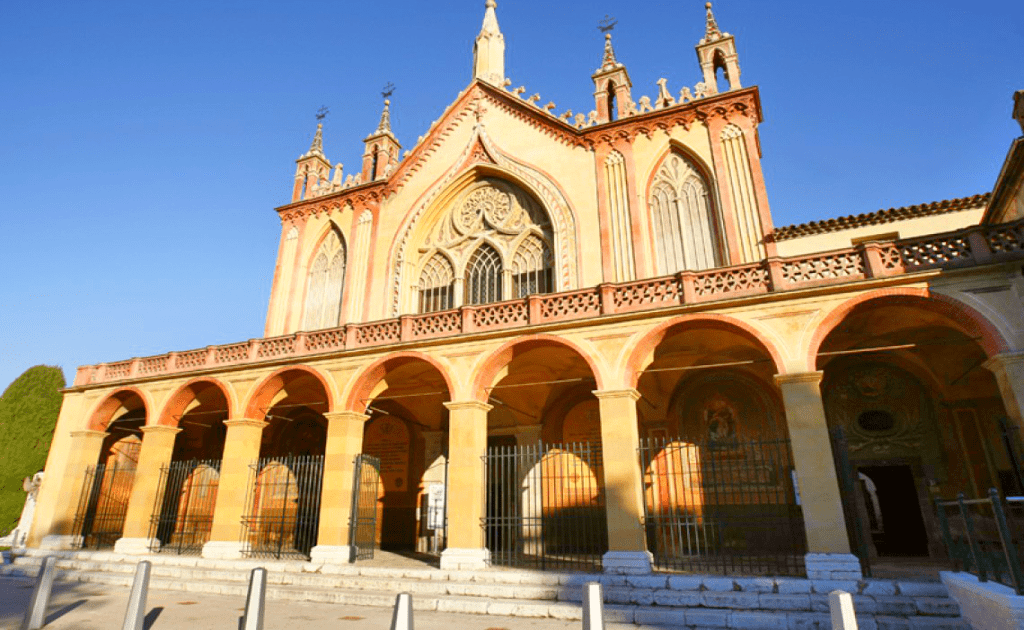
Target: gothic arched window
pixel 531 268
pixel 326 285
pixel 436 285
pixel 686 235
pixel 483 276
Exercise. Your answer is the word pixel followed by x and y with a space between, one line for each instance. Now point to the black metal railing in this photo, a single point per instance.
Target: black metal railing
pixel 857 530
pixel 546 506
pixel 365 515
pixel 724 507
pixel 183 515
pixel 984 536
pixel 283 515
pixel 103 504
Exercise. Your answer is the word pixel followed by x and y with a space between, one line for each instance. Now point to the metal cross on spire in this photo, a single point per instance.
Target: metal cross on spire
pixel 607 24
pixel 388 90
pixel 322 113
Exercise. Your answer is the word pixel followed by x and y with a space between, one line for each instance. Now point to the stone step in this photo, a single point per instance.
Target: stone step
pixel 700 617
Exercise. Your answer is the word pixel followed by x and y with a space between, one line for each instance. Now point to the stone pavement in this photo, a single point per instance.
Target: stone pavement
pixel 94 607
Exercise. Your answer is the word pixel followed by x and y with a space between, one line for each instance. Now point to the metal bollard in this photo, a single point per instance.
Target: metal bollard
pixel 255 601
pixel 593 607
pixel 840 604
pixel 136 613
pixel 35 616
pixel 402 619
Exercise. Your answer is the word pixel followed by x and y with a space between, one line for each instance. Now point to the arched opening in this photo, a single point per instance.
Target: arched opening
pixel 721 72
pixel 922 419
pixel 719 486
pixel 103 501
pixel 613 109
pixel 437 288
pixel 183 515
pixel 376 159
pixel 686 235
pixel 484 275
pixel 545 479
pixel 326 283
pixel 283 514
pixel 407 433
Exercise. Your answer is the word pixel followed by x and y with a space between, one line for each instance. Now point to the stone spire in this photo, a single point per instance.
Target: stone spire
pixel 712 32
pixel 609 61
pixel 489 50
pixel 385 119
pixel 317 148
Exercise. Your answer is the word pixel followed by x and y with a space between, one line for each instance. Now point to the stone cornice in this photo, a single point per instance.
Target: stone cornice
pixel 468 405
pixel 245 422
pixel 612 394
pixel 799 377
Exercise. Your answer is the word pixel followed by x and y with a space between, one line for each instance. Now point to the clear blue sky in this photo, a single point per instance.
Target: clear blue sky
pixel 144 145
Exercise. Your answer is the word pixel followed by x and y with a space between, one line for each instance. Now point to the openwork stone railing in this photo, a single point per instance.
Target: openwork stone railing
pixel 975 246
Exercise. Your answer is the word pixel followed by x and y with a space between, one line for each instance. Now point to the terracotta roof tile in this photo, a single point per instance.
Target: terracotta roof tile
pixel 880 216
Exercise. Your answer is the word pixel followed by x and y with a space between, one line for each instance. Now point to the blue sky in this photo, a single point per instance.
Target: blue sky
pixel 145 145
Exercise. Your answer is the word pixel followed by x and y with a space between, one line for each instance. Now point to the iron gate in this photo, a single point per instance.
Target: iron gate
pixel 187 497
pixel 364 519
pixel 546 506
pixel 102 505
pixel 284 506
pixel 432 538
pixel 725 507
pixel 857 530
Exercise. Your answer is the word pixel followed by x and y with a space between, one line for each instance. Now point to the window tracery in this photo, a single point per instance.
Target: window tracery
pixel 686 234
pixel 493 244
pixel 325 285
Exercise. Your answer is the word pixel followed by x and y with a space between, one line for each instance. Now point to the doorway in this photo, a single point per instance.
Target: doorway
pixel 898 529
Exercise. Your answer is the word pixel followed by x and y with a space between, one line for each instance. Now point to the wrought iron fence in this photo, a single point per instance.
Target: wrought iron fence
pixel 365 517
pixel 726 507
pixel 984 536
pixel 284 507
pixel 433 526
pixel 183 515
pixel 546 506
pixel 102 505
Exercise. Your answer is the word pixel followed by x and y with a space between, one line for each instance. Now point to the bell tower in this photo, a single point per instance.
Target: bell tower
pixel 718 51
pixel 312 167
pixel 382 149
pixel 612 87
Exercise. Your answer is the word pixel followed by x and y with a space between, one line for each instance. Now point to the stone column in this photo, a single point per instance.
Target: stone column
pixel 84 452
pixel 1009 372
pixel 467 445
pixel 156 452
pixel 344 443
pixel 241 450
pixel 828 545
pixel 623 483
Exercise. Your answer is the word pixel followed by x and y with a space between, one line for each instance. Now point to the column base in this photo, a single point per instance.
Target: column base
pixel 465 559
pixel 60 543
pixel 627 562
pixel 832 566
pixel 136 546
pixel 222 550
pixel 327 554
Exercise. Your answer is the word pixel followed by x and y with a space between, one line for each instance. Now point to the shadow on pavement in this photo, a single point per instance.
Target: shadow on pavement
pixel 63 610
pixel 151 617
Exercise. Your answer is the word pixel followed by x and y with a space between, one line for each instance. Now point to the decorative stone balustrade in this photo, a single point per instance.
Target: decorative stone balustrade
pixel 974 246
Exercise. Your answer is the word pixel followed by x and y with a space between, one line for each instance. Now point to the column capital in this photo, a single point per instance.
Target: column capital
pixel 603 394
pixel 160 428
pixel 89 433
pixel 468 405
pixel 346 416
pixel 245 422
pixel 798 377
pixel 1002 361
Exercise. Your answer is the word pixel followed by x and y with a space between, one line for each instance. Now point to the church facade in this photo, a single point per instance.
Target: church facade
pixel 573 340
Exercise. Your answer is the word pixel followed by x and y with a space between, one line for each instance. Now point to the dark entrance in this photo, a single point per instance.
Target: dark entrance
pixel 901 530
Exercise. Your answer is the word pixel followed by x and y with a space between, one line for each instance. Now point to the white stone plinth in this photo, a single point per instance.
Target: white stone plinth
pixel 832 566
pixel 60 543
pixel 136 546
pixel 985 605
pixel 222 550
pixel 627 562
pixel 341 554
pixel 465 559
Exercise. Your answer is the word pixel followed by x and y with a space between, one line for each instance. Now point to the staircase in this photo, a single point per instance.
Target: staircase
pixel 683 601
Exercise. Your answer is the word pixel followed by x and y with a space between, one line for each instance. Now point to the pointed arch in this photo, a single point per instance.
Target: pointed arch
pixel 532 267
pixel 437 284
pixel 484 275
pixel 326 282
pixel 685 225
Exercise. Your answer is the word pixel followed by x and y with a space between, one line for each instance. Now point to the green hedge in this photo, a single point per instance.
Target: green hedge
pixel 28 414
